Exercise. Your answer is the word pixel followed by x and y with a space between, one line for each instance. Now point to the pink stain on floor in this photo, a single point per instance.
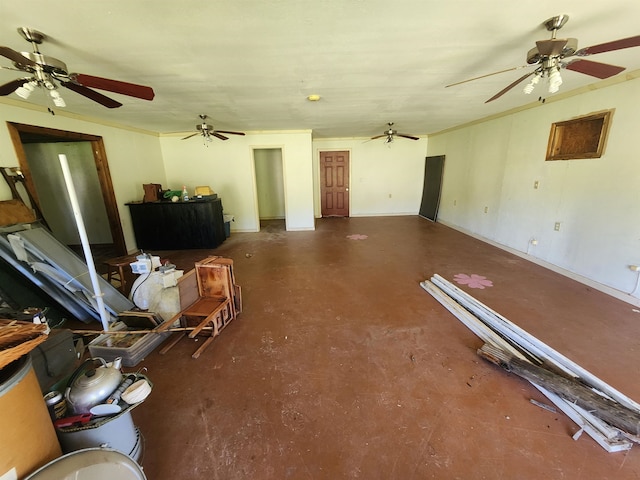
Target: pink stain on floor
pixel 473 280
pixel 357 236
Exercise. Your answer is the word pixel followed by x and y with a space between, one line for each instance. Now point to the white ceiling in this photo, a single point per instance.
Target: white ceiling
pixel 250 64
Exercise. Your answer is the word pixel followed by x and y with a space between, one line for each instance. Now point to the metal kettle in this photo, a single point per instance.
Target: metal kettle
pixel 90 385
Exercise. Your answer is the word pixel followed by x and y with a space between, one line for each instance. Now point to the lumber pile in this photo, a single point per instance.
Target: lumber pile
pixel 605 414
pixel 17 338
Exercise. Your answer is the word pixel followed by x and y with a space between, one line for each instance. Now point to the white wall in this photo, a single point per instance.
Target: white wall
pixel 385 179
pixel 228 168
pixel 495 164
pixel 134 157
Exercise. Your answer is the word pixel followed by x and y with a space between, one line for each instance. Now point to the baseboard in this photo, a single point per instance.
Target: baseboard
pixel 625 297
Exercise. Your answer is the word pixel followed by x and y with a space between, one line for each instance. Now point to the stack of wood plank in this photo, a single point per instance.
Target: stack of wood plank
pixel 611 418
pixel 17 338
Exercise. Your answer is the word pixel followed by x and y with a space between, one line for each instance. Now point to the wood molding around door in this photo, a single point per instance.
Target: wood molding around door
pixel 334 184
pixel 18 131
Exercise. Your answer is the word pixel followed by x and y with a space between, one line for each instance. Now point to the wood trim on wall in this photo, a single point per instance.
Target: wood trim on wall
pixel 579 138
pixel 102 168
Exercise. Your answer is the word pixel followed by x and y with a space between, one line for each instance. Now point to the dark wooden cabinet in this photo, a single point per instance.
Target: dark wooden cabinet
pixel 178 225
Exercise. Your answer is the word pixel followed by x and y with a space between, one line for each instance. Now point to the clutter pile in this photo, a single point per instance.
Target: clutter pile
pixel 18 338
pixel 611 418
pixel 95 409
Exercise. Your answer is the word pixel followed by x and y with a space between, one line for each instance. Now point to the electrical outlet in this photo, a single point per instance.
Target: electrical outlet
pixel 536 184
pixel 556 227
pixel 486 209
pixel 534 242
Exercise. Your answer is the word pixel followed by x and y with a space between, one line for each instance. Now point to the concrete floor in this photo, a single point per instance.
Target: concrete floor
pixel 341 366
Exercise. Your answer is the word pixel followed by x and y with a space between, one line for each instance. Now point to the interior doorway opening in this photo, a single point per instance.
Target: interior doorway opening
pixel 269 175
pixel 37 149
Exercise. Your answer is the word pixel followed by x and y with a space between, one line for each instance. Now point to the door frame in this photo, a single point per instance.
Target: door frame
pixel 101 164
pixel 319 170
pixel 255 182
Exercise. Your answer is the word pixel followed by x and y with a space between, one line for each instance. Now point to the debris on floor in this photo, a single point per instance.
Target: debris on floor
pixel 607 415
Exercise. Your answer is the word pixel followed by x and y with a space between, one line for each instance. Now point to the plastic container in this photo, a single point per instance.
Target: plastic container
pixel 117 432
pixel 133 348
pixel 90 464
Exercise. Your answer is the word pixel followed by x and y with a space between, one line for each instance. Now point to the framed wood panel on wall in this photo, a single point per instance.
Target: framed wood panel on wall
pixel 583 137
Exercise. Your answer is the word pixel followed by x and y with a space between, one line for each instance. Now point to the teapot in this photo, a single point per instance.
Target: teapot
pixel 88 387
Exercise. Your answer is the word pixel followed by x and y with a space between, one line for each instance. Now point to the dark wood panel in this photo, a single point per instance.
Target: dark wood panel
pixel 433 171
pixel 179 225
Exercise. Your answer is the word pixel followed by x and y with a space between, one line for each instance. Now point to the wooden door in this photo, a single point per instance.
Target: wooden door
pixel 433 170
pixel 334 184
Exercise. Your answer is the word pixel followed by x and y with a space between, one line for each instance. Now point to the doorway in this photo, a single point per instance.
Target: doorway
pixel 37 149
pixel 269 174
pixel 334 184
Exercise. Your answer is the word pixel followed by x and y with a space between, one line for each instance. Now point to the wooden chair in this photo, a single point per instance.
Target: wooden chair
pixel 118 271
pixel 217 303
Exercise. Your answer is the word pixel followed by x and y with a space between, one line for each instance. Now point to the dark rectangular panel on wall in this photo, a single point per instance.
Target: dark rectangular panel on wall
pixel 433 170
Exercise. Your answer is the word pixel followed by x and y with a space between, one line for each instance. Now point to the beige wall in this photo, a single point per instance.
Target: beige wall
pixel 385 179
pixel 494 164
pixel 228 168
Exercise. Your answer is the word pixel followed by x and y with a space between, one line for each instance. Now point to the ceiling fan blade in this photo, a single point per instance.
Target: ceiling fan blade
pixel 509 87
pixel 221 137
pixel 189 136
pixel 16 57
pixel 610 46
pixel 595 69
pixel 550 48
pixel 115 86
pixel 230 133
pixel 91 94
pixel 378 136
pixel 487 75
pixel 11 86
pixel 407 136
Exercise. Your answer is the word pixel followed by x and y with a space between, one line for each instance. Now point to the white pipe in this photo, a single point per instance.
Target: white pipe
pixel 104 318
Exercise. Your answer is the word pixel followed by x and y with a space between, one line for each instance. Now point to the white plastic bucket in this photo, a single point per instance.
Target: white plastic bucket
pixel 118 433
pixel 90 464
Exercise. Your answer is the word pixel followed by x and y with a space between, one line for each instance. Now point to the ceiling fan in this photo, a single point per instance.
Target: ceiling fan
pixel 390 133
pixel 44 71
pixel 551 56
pixel 207 131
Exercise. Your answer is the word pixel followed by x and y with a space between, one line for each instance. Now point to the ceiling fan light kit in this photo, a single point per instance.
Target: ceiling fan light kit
pixel 390 133
pixel 47 72
pixel 555 54
pixel 207 132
